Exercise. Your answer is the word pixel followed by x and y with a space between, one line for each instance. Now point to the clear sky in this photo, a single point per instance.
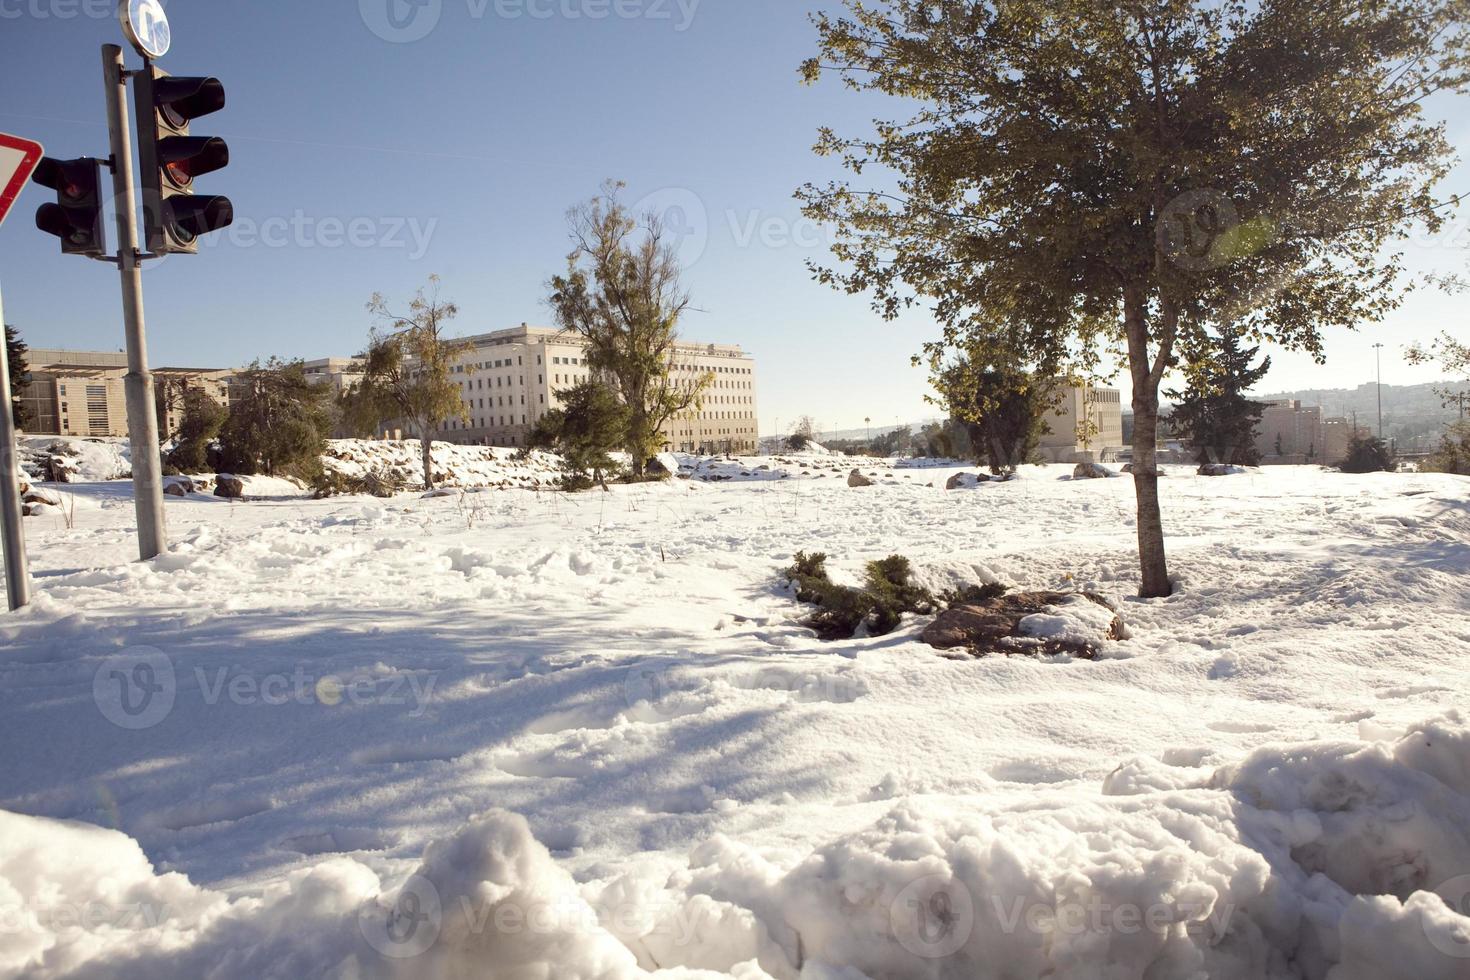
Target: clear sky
pixel 377 141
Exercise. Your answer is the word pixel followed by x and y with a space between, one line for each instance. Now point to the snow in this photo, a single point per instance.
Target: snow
pixel 585 736
pixel 1076 619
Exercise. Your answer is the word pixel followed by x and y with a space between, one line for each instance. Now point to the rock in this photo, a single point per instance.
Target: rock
pixel 1127 468
pixel 993 627
pixel 963 480
pixel 856 479
pixel 175 490
pixel 1217 469
pixel 1091 471
pixel 229 487
pixel 38 496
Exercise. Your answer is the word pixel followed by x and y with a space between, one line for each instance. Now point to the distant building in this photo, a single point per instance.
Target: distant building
pixel 1087 426
pixel 1290 432
pixel 339 372
pixel 82 393
pixel 510 378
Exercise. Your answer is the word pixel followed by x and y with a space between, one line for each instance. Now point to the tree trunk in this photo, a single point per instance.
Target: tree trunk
pixel 1146 374
pixel 426 442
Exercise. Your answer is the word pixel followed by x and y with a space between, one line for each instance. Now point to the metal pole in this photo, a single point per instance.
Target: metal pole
pixel 1379 349
pixel 142 417
pixel 17 573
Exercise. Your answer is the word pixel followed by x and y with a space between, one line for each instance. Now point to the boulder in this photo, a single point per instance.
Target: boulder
pixel 856 479
pixel 1217 469
pixel 175 490
pixel 36 495
pixel 1091 471
pixel 994 626
pixel 961 481
pixel 229 487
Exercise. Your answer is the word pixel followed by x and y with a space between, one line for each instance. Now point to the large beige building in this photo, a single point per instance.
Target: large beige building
pixel 510 378
pixel 1290 432
pixel 1086 426
pixel 82 393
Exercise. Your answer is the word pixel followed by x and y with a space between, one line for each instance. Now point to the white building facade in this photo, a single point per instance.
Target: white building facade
pixel 510 378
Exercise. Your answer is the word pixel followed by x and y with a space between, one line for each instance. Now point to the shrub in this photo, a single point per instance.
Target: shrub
pixel 1367 455
pixel 376 483
pixel 1453 455
pixel 886 595
pixel 972 595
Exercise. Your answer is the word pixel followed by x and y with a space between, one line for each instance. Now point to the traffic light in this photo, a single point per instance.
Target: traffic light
pixel 76 217
pixel 169 158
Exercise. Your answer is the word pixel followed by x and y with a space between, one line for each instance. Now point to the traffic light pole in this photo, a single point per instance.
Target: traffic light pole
pixel 142 414
pixel 17 572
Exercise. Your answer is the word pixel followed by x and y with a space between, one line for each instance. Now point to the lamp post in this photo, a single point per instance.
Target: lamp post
pixel 1378 348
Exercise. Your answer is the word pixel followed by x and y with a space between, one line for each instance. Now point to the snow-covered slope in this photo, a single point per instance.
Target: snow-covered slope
pixel 584 736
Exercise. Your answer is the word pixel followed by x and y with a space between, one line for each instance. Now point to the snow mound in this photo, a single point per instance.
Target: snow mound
pixel 1075 620
pixel 458 466
pixel 79 460
pixel 1329 861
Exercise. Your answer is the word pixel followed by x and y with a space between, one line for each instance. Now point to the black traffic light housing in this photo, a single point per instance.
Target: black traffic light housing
pixel 76 217
pixel 169 158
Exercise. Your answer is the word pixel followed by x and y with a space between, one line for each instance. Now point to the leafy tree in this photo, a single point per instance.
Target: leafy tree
pixel 1002 409
pixel 1078 177
pixel 1367 454
pixel 20 374
pixel 407 370
pixel 1453 455
pixel 621 294
pixel 199 426
pixel 591 423
pixel 278 422
pixel 1213 415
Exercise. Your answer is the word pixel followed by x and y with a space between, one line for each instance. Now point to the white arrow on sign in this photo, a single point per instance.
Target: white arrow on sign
pixel 18 159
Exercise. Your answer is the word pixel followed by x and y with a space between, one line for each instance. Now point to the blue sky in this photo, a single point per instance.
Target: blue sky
pixel 369 152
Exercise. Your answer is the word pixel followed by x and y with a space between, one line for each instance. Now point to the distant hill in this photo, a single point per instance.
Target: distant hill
pixel 1399 401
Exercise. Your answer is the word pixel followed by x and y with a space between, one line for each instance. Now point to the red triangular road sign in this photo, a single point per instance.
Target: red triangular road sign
pixel 18 159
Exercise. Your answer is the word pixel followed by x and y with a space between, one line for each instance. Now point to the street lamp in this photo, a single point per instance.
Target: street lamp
pixel 1379 349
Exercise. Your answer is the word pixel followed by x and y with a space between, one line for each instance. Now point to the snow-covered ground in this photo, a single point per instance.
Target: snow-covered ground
pixel 530 735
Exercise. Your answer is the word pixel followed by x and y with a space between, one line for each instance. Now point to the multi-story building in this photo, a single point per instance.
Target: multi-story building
pixel 339 372
pixel 82 393
pixel 1086 426
pixel 1290 432
pixel 510 378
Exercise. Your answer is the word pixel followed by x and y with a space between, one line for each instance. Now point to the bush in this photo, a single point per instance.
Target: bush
pixel 880 604
pixel 202 420
pixel 1453 455
pixel 376 483
pixel 972 595
pixel 1367 455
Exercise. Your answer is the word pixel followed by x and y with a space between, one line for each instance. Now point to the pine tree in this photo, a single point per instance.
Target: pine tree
pixel 1214 417
pixel 278 423
pixel 20 369
pixel 202 420
pixel 591 423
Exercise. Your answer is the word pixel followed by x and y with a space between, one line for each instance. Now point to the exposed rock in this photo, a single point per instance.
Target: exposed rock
pixel 993 627
pixel 36 495
pixel 1218 469
pixel 229 487
pixel 1091 471
pixel 965 480
pixel 175 490
pixel 856 479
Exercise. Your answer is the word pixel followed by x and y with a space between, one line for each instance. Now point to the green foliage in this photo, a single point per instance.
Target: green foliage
pixel 15 351
pixel 202 420
pixel 622 296
pixel 278 422
pixel 1214 415
pixel 1453 455
pixel 879 605
pixel 591 423
pixel 1368 455
pixel 972 595
pixel 1074 178
pixel 1003 410
pixel 798 441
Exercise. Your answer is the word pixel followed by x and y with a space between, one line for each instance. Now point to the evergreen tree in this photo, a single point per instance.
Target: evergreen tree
pixel 1074 175
pixel 407 368
pixel 1367 454
pixel 20 372
pixel 202 420
pixel 1213 415
pixel 1002 410
pixel 622 296
pixel 278 422
pixel 591 423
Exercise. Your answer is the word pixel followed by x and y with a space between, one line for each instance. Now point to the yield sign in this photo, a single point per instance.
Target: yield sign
pixel 18 159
